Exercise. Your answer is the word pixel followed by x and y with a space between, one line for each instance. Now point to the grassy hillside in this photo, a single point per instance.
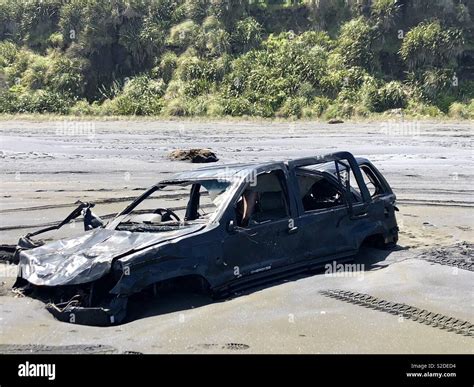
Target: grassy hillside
pixel 307 58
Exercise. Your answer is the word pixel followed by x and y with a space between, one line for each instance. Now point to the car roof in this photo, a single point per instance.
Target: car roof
pixel 222 171
pixel 228 171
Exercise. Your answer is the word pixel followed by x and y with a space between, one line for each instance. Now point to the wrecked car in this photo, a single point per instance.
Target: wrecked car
pixel 224 227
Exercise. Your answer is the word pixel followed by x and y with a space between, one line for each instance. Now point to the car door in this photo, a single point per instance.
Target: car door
pixel 383 207
pixel 267 241
pixel 324 231
pixel 334 229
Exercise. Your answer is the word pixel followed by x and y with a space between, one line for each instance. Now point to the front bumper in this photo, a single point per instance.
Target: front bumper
pixel 96 316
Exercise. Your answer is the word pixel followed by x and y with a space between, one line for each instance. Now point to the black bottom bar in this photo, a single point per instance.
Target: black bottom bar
pixel 136 369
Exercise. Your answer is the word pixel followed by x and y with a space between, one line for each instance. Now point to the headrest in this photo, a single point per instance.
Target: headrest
pixel 324 189
pixel 267 182
pixel 271 201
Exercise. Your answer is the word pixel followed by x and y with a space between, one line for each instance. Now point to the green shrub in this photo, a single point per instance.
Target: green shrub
pixel 348 95
pixel 39 19
pixel 41 101
pixel 56 40
pixel 140 96
pixel 214 106
pixel 191 68
pixel 384 12
pixel 350 79
pixel 319 105
pixel 285 67
pixel 430 84
pixel 237 106
pixel 354 44
pixel 34 76
pixel 262 107
pixel 345 109
pixel 316 38
pixel 418 108
pixel 195 10
pixel 430 44
pixel 444 101
pixel 214 43
pixel 308 112
pixel 8 53
pixel 177 107
pixel 329 14
pixel 174 89
pixel 390 96
pixel 82 108
pixel 338 110
pixel 292 107
pixel 198 106
pixel 197 75
pixel 462 111
pixel 64 75
pixel 306 90
pixel 3 80
pixel 221 67
pixel 8 101
pixel 247 35
pixel 167 66
pixel 466 89
pixel 108 108
pixel 211 23
pixel 71 20
pixel 183 34
pixel 21 63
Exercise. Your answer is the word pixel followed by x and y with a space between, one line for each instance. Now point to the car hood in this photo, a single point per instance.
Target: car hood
pixel 88 257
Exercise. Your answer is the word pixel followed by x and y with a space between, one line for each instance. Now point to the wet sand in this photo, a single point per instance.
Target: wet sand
pixel 429 166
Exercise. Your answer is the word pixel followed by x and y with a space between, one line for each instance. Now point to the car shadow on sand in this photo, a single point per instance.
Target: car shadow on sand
pixel 149 304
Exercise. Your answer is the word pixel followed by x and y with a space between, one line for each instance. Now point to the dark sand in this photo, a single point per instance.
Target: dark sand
pixel 45 169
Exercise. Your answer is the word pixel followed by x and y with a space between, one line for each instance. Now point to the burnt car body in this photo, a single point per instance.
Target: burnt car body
pixel 236 226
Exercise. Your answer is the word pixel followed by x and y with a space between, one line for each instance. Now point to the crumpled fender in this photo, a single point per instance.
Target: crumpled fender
pixel 86 258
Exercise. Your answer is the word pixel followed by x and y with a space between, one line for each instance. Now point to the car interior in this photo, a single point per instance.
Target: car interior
pixel 262 202
pixel 318 192
pixel 176 204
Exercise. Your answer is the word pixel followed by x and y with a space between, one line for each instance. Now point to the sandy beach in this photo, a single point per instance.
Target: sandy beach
pixel 47 166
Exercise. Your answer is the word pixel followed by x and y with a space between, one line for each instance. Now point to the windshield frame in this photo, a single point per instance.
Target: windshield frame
pixel 234 183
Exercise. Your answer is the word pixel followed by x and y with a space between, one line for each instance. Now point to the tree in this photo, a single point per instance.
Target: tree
pixel 354 44
pixel 431 45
